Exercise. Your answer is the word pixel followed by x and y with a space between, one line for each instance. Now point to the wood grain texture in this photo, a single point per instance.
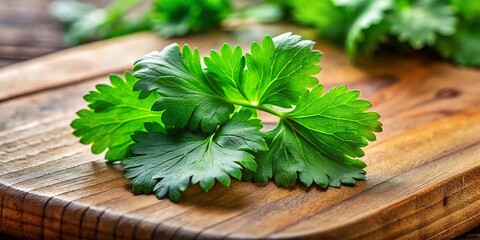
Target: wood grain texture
pixel 51 70
pixel 28 30
pixel 423 171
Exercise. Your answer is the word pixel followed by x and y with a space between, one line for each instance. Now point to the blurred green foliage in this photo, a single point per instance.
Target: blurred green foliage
pixel 168 18
pixel 449 27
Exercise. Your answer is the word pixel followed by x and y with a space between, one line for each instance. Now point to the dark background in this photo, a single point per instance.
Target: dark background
pixel 28 31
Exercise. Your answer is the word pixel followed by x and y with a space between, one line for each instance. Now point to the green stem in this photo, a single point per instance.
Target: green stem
pixel 258 107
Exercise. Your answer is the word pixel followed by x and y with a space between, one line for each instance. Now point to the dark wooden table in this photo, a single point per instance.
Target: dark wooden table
pixel 28 31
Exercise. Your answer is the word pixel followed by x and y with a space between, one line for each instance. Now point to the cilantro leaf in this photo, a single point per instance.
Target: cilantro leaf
pixel 190 99
pixel 185 132
pixel 227 67
pixel 364 25
pixel 279 70
pixel 467 9
pixel 320 140
pixel 463 47
pixel 370 14
pixel 420 23
pixel 360 25
pixel 166 165
pixel 179 17
pixel 371 39
pixel 114 113
pixel 329 20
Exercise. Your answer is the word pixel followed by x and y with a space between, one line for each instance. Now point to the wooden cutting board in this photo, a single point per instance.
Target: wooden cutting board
pixel 423 174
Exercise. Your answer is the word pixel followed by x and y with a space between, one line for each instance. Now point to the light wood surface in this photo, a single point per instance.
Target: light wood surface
pixel 423 173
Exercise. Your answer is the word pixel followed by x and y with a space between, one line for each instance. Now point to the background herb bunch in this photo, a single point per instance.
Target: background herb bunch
pixel 176 123
pixel 168 18
pixel 448 27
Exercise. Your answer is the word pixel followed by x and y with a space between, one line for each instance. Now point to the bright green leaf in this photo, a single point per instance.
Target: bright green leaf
pixel 114 113
pixel 320 140
pixel 372 38
pixel 227 67
pixel 422 22
pixel 331 22
pixel 179 17
pixel 468 9
pixel 371 14
pixel 167 164
pixel 279 70
pixel 190 99
pixel 463 47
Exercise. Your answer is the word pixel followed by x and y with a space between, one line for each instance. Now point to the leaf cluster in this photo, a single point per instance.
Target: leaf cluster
pixel 449 27
pixel 178 122
pixel 168 18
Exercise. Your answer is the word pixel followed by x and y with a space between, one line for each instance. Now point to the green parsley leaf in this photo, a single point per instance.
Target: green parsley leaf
pixel 371 14
pixel 179 17
pixel 463 47
pixel 467 9
pixel 211 131
pixel 320 140
pixel 279 70
pixel 227 67
pixel 346 22
pixel 114 113
pixel 190 99
pixel 371 39
pixel 364 25
pixel 330 20
pixel 420 23
pixel 166 165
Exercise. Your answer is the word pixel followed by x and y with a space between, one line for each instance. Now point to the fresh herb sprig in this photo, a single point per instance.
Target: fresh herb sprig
pixel 189 124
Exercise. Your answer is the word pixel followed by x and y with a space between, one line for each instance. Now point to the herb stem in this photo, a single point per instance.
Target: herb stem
pixel 258 107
